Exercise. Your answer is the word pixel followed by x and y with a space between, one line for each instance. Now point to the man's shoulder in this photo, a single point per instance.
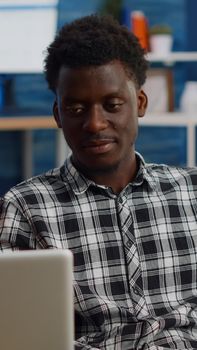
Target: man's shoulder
pixel 39 185
pixel 171 170
pixel 174 175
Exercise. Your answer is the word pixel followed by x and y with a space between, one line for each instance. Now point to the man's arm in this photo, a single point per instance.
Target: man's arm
pixel 15 228
pixel 81 346
pixel 16 233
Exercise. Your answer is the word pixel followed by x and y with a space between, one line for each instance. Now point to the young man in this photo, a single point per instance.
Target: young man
pixel 131 226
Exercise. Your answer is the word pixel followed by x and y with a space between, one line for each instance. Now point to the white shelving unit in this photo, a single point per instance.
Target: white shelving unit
pixel 175 119
pixel 178 119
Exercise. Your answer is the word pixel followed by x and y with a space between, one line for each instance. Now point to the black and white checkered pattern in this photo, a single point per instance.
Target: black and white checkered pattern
pixel 135 254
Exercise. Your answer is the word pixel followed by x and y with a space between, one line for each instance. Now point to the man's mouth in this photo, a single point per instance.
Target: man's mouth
pixel 99 146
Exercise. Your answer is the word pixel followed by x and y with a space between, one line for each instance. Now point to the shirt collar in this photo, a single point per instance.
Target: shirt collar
pixel 76 180
pixel 80 183
pixel 144 173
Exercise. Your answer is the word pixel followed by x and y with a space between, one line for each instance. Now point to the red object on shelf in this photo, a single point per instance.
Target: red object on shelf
pixel 139 27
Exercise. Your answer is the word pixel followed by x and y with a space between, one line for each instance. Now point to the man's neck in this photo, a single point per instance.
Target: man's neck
pixel 118 178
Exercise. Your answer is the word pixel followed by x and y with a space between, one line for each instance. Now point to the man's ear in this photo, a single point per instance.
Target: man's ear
pixel 142 103
pixel 57 115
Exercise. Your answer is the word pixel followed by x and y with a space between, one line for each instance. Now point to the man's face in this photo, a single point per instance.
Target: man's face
pixel 98 110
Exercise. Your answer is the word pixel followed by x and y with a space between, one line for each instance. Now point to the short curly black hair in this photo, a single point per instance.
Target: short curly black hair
pixel 93 41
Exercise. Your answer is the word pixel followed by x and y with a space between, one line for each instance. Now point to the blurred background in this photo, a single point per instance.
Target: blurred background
pixel 167 134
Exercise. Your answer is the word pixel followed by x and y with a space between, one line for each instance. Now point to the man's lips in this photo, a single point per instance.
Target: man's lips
pixel 97 146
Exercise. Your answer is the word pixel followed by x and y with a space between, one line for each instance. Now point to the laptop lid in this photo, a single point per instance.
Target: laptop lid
pixel 36 300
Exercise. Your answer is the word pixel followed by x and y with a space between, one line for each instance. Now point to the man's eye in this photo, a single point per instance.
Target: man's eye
pixel 75 109
pixel 114 106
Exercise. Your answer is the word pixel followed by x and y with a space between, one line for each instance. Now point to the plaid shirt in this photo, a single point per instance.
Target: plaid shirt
pixel 135 254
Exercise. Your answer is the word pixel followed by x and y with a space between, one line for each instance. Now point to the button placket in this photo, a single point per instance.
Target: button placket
pixel 132 258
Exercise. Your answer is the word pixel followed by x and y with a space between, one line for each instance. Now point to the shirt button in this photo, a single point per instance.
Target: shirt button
pixel 129 244
pixel 120 200
pixel 136 291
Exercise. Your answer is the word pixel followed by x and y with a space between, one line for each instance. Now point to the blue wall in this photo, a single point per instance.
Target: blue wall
pixel 31 96
pixel 191 9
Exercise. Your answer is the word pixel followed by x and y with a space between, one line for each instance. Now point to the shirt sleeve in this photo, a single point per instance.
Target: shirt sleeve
pixel 15 228
pixel 82 346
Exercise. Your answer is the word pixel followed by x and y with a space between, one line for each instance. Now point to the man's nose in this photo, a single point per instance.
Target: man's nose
pixel 95 120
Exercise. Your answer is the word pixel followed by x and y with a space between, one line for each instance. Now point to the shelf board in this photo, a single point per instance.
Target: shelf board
pixel 48 122
pixel 168 119
pixel 27 123
pixel 169 59
pixel 173 57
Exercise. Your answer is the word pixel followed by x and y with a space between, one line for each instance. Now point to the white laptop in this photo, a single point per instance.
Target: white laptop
pixel 36 300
